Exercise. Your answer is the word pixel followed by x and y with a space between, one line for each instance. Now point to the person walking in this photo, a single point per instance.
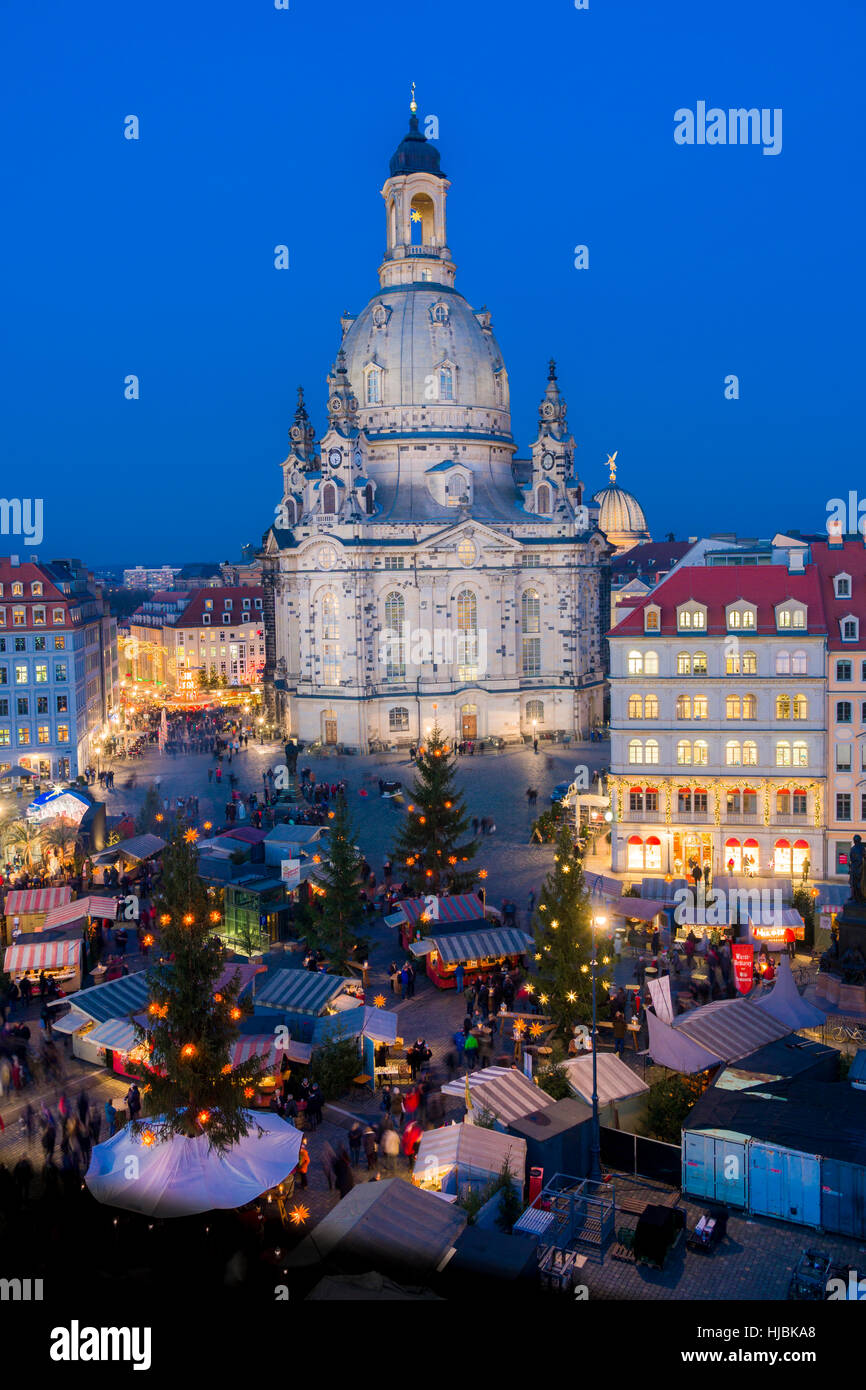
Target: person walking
pixel 328 1161
pixel 343 1176
pixel 355 1137
pixel 470 1049
pixel 389 1146
pixel 303 1164
pixel 396 1109
pixel 619 1030
pixel 133 1102
pixel 458 978
pixel 110 1117
pixel 368 1140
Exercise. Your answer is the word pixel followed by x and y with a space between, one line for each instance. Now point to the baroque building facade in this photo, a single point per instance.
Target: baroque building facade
pixel 417 572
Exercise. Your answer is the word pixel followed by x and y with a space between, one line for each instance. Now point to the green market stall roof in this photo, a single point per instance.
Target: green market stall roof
pixel 476 945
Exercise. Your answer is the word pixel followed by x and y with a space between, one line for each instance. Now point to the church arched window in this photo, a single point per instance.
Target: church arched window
pixel 329 499
pixel 373 385
pixel 393 637
pixel 446 384
pixel 530 623
pixel 467 636
pixel 535 711
pixel 330 639
pixel 542 500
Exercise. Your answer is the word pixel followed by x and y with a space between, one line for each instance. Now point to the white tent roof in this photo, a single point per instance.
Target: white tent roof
pixel 181 1176
pixel 616 1081
pixel 785 1003
pixel 506 1092
pixel 720 1032
pixel 469 1146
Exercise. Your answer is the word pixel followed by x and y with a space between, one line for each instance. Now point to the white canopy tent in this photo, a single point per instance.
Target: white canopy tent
pixel 785 1003
pixel 182 1176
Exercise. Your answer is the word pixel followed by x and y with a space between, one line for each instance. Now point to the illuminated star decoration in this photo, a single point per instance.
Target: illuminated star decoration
pixel 519 1025
pixel 379 1001
pixel 190 836
pixel 416 216
pixel 299 1214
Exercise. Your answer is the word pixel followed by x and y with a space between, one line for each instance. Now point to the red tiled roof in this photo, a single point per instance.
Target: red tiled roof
pixel 192 614
pixel 718 586
pixel 653 557
pixel 830 560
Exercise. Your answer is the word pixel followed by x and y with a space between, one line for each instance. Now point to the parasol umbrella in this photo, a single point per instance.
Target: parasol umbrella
pixel 182 1176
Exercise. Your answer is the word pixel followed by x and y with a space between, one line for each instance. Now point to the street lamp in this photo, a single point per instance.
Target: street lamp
pixel 598 922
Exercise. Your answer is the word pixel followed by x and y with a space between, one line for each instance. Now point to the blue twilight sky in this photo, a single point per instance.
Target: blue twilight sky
pixel 262 126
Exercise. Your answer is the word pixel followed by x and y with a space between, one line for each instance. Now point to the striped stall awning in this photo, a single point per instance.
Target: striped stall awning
pixel 265 1045
pixel 47 955
pixel 119 998
pixel 76 912
pixel 476 945
pixel 300 991
pixel 464 907
pixel 70 1023
pixel 22 901
pixel 116 1034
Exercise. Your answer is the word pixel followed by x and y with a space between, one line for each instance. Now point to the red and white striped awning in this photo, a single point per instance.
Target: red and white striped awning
pixel 47 955
pixel 77 911
pixel 26 900
pixel 265 1045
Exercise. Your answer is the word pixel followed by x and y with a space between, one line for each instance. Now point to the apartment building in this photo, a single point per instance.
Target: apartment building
pixel 219 631
pixel 718 722
pixel 58 667
pixel 141 577
pixel 841 565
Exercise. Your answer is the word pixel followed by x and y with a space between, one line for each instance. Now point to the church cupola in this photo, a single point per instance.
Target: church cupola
pixel 302 435
pixel 416 242
pixel 553 483
pixel 342 402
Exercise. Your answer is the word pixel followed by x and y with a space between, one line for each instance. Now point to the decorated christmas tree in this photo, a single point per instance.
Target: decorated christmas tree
pixel 334 931
pixel 189 1085
pixel 563 941
pixel 433 851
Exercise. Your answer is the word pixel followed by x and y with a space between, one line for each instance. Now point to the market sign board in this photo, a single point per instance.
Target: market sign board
pixel 290 872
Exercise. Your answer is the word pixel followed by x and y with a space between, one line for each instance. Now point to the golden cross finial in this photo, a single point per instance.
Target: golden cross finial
pixel 413 105
pixel 611 463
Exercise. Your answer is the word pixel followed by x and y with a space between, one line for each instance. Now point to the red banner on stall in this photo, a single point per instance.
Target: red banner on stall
pixel 743 956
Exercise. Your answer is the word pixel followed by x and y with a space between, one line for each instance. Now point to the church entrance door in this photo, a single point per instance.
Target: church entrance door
pixel 469 722
pixel 330 729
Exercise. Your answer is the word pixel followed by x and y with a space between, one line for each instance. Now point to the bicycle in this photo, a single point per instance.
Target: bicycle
pixel 843 1032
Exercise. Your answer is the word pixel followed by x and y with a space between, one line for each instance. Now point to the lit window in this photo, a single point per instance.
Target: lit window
pixel 467 636
pixel 23 734
pixel 783 754
pixel 398 720
pixel 21 675
pixel 41 672
pixel 43 733
pixel 635 707
pixel 635 664
pixel 750 753
pixel 684 664
pixel 733 754
pixel 62 733
pixel 58 615
pixel 18 617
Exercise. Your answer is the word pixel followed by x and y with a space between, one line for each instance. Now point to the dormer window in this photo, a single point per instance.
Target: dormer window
pixel 790 615
pixel 651 619
pixel 36 589
pixel 850 629
pixel 842 585
pixel 741 616
pixel 373 376
pixel 208 603
pixel 692 618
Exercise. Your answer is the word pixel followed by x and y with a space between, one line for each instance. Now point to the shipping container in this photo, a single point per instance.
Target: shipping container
pixel 843 1198
pixel 784 1183
pixel 715 1165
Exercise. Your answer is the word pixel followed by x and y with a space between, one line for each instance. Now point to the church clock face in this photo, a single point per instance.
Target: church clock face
pixel 295 432
pixel 547 462
pixel 547 410
pixel 336 404
pixel 326 557
pixel 335 458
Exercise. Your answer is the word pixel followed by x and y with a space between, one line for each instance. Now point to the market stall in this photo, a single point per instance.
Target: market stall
pixel 27 908
pixel 460 1158
pixel 414 916
pixel 301 995
pixel 477 952
pixel 773 933
pixel 127 856
pixel 58 958
pixel 377 1037
pixel 271 1052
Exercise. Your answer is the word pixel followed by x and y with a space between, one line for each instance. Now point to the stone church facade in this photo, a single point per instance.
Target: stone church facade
pixel 417 572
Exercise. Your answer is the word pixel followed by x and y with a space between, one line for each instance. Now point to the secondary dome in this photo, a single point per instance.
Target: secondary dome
pixel 621 516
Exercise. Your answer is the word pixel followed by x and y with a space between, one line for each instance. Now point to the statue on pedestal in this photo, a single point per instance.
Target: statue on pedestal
pixel 857 871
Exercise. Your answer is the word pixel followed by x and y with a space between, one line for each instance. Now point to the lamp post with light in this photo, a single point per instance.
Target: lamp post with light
pixel 598 922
